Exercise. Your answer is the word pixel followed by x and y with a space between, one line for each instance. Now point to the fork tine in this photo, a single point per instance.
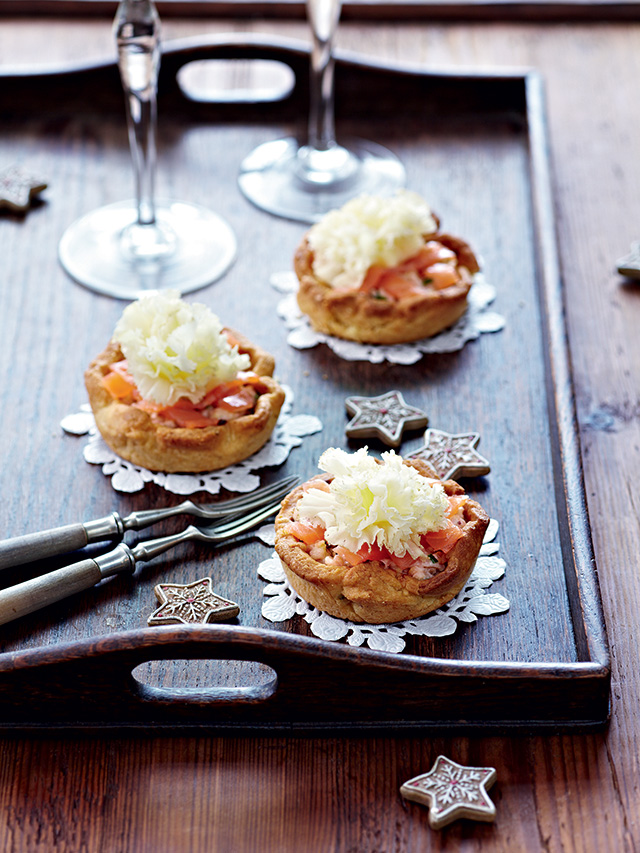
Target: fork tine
pixel 274 490
pixel 240 523
pixel 140 519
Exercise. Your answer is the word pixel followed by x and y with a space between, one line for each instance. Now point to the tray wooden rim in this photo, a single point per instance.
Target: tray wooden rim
pixel 353 10
pixel 593 665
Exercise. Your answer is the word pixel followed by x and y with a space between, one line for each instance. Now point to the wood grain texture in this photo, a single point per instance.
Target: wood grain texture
pixel 486 125
pixel 561 793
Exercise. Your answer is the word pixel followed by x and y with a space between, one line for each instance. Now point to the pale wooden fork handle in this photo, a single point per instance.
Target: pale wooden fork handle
pixel 38 592
pixel 60 540
pixel 31 595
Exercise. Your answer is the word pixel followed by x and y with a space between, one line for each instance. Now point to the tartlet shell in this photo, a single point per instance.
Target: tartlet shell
pixel 371 592
pixel 356 316
pixel 136 437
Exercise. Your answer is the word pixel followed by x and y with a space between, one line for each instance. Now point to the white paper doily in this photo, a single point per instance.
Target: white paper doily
pixel 127 477
pixel 476 320
pixel 283 603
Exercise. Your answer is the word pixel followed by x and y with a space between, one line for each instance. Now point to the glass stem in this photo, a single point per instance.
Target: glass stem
pixel 137 33
pixel 142 118
pixel 323 17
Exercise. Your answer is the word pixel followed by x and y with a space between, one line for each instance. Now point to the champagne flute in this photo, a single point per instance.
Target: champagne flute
pixel 129 247
pixel 303 182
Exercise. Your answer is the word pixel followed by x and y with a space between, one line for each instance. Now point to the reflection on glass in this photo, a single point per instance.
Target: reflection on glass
pixel 128 247
pixel 305 181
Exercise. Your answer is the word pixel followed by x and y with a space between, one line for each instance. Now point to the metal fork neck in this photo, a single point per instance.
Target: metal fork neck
pixel 144 551
pixel 147 517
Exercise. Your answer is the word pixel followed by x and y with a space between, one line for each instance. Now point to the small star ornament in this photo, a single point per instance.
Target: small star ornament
pixel 452 791
pixel 190 604
pixel 385 417
pixel 630 264
pixel 453 455
pixel 18 187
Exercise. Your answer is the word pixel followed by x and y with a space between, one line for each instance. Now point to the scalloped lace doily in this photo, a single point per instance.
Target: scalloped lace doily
pixel 283 603
pixel 476 320
pixel 127 477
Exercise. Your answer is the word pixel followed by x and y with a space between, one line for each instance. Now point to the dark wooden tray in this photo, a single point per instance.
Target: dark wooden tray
pixel 475 146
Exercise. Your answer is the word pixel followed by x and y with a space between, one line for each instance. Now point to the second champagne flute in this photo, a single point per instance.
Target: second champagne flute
pixel 303 182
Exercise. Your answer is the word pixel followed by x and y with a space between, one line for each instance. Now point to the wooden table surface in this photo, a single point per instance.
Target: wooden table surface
pixel 569 792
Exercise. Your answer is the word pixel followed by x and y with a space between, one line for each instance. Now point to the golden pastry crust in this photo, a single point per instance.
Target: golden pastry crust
pixel 372 592
pixel 134 435
pixel 357 316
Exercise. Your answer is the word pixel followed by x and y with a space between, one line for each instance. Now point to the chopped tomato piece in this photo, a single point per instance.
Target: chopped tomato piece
pixel 306 532
pixel 184 403
pixel 403 562
pixel 348 556
pixel 442 540
pixel 118 385
pixel 373 552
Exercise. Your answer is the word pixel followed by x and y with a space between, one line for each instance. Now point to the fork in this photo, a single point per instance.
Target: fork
pixel 61 540
pixel 31 595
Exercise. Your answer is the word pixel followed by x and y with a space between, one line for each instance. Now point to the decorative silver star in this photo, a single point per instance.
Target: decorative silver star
pixel 17 188
pixel 384 417
pixel 453 455
pixel 191 603
pixel 452 791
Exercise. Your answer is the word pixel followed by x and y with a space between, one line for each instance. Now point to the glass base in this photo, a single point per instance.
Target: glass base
pixel 296 182
pixel 107 251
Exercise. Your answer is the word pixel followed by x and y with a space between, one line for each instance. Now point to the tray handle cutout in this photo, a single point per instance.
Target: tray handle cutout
pixel 211 681
pixel 239 81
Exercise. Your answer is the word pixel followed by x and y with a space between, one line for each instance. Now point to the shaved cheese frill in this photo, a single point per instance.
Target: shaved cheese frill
pixel 368 230
pixel 388 504
pixel 175 349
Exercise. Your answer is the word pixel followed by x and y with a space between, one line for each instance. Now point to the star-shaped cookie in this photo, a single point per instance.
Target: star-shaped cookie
pixel 18 187
pixel 453 791
pixel 191 603
pixel 453 455
pixel 384 417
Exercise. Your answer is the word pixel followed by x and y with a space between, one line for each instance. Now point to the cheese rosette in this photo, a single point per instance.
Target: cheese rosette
pixel 175 349
pixel 369 231
pixel 387 503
